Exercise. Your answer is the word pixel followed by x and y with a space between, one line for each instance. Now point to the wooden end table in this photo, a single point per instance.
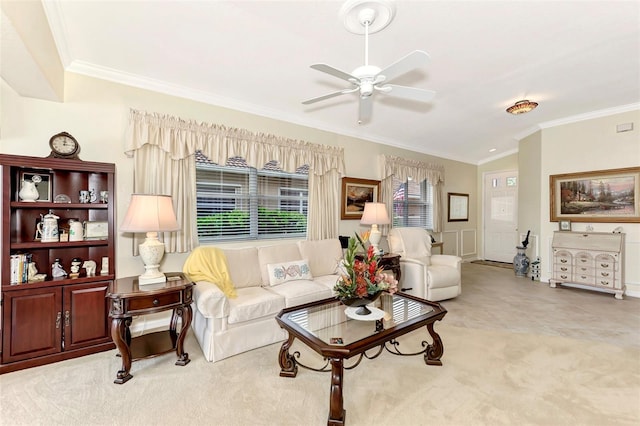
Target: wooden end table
pixel 127 298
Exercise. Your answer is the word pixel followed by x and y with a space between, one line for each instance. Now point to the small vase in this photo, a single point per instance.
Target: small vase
pixel 521 262
pixel 361 303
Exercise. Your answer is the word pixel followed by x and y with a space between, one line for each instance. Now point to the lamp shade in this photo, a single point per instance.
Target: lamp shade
pixel 375 214
pixel 150 213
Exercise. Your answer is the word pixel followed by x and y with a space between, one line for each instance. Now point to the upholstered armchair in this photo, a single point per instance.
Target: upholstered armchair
pixel 431 277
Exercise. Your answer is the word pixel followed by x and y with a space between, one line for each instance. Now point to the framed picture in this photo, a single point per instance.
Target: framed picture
pixel 42 183
pixel 96 230
pixel 564 225
pixel 597 196
pixel 356 192
pixel 458 207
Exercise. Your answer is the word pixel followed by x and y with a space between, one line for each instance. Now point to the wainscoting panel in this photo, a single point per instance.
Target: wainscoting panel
pixel 451 241
pixel 468 242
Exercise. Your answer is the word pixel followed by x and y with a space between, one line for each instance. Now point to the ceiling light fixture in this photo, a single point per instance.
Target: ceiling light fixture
pixel 521 107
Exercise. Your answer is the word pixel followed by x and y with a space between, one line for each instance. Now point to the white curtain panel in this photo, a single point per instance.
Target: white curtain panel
pixel 164 148
pixel 402 169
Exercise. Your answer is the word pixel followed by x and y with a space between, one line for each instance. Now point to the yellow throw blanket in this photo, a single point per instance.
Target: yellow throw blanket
pixel 210 264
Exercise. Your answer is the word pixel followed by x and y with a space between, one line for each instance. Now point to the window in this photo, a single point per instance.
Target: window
pixel 412 203
pixel 238 202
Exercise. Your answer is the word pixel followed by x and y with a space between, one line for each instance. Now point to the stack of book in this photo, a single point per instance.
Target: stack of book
pixel 20 268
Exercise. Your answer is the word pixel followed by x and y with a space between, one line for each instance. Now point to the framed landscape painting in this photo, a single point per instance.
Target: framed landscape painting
pixel 356 192
pixel 597 196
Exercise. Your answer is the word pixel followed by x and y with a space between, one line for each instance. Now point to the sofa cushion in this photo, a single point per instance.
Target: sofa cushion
pixel 252 303
pixel 288 271
pixel 279 253
pixel 324 255
pixel 301 291
pixel 328 281
pixel 243 267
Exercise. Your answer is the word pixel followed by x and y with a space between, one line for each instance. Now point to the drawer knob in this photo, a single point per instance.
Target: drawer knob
pixel 604 274
pixel 563 260
pixel 564 277
pixel 564 269
pixel 155 302
pixel 604 265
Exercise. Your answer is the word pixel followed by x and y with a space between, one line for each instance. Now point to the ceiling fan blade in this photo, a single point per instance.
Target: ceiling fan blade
pixel 413 60
pixel 328 96
pixel 366 106
pixel 335 72
pixel 421 95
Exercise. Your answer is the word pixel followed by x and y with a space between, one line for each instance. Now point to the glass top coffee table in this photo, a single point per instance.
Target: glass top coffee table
pixel 334 331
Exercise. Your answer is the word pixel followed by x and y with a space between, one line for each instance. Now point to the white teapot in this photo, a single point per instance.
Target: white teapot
pixel 48 228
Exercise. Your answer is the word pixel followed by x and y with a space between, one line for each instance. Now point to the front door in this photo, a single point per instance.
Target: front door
pixel 500 215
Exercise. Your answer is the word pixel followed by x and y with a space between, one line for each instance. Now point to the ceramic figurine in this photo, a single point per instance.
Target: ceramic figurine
pixel 57 271
pixel 90 266
pixel 75 267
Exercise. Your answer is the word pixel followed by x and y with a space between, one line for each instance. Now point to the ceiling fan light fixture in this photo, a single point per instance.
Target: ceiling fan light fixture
pixel 522 107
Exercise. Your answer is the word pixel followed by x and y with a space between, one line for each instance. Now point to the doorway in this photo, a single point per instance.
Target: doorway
pixel 500 215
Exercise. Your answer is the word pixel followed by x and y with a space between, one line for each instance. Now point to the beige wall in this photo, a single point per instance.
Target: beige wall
pixel 96 113
pixel 529 189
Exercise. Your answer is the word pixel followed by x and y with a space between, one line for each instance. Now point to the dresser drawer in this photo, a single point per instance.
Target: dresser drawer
pixel 154 301
pixel 562 276
pixel 605 261
pixel 583 279
pixel 605 282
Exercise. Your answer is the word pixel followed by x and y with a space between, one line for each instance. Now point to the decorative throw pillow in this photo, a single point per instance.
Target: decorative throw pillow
pixel 282 272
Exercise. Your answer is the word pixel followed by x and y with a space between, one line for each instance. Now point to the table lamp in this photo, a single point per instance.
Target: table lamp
pixel 375 214
pixel 150 213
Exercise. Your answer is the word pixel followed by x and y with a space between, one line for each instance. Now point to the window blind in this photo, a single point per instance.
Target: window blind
pixel 237 202
pixel 412 203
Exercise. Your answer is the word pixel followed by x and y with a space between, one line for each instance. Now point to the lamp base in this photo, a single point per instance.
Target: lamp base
pixel 374 238
pixel 151 252
pixel 142 280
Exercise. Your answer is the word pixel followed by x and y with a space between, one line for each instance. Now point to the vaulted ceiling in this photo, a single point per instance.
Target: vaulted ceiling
pixel 576 59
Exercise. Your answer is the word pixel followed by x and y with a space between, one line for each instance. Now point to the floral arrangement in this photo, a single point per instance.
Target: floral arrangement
pixel 362 278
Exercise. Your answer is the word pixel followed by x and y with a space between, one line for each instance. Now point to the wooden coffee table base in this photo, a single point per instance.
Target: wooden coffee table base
pixel 289 368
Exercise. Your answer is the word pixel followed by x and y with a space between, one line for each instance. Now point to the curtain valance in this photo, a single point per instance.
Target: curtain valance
pixel 181 138
pixel 403 168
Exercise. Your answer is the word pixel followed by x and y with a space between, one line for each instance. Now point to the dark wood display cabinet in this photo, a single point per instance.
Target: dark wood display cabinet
pixel 45 318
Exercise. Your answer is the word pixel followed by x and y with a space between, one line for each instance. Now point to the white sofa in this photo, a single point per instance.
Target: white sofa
pixel 432 277
pixel 228 326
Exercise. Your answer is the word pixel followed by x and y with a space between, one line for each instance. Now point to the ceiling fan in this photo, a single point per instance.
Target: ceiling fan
pixel 370 16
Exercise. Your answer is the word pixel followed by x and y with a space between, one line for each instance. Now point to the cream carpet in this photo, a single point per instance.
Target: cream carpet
pixel 514 354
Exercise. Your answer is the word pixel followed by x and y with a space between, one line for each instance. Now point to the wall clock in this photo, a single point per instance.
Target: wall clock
pixel 63 145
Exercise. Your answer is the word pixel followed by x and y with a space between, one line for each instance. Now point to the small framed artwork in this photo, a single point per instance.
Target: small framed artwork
pixel 42 182
pixel 458 207
pixel 356 192
pixel 564 225
pixel 96 230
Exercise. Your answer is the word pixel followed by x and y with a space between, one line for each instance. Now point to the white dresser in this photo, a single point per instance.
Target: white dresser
pixel 594 259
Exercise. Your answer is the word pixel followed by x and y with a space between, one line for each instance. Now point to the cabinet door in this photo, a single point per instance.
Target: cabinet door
pixel 33 323
pixel 85 315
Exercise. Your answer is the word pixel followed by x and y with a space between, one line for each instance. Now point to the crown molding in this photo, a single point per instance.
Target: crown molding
pixel 590 115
